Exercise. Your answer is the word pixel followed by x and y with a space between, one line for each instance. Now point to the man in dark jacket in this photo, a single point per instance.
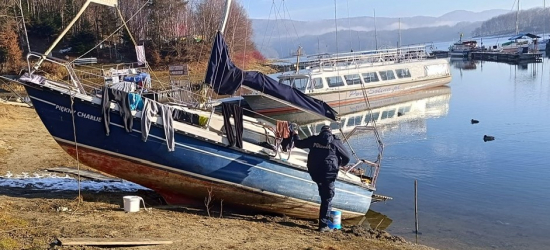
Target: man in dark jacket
pixel 326 155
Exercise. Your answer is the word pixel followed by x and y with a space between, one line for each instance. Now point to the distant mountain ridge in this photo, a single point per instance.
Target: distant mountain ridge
pixel 532 20
pixel 277 38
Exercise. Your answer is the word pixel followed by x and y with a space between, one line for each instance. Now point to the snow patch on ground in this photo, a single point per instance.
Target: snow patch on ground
pixel 51 181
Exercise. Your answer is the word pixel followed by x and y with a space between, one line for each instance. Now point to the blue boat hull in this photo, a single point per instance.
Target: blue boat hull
pixel 185 175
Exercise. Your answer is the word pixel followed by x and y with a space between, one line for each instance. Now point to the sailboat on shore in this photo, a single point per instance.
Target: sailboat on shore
pixel 185 153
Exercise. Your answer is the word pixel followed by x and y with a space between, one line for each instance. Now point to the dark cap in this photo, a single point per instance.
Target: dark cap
pixel 325 127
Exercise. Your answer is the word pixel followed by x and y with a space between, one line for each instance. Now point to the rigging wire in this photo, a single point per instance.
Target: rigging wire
pixel 113 33
pixel 368 107
pixel 349 27
pixel 124 25
pixel 291 22
pixel 267 26
pixel 73 93
pixel 24 26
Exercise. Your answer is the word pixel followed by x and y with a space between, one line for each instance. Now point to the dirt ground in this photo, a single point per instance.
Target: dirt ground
pixel 35 219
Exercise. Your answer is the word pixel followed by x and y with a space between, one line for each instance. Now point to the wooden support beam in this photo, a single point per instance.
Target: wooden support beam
pixel 111 242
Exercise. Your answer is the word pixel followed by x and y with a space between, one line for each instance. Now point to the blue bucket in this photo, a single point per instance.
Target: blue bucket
pixel 335 220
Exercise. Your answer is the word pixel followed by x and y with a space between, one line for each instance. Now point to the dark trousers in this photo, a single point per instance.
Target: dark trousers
pixel 237 112
pixel 326 191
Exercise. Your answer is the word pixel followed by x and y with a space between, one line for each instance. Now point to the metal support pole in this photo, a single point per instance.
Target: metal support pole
pixel 416 207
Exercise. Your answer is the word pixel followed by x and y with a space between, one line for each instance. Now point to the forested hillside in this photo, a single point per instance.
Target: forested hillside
pixel 171 30
pixel 532 20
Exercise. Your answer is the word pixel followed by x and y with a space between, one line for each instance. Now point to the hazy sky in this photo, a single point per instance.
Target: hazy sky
pixel 324 9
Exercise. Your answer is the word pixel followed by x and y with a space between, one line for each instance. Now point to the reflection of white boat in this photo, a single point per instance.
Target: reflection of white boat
pixel 340 79
pixel 306 118
pixel 423 104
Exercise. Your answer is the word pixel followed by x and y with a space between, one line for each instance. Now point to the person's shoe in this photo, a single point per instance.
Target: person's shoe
pixel 324 229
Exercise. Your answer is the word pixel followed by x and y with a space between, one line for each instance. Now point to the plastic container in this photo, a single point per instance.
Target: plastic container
pixel 131 203
pixel 335 220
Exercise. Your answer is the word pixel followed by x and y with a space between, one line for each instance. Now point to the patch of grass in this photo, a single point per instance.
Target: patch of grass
pixel 8 244
pixel 7 222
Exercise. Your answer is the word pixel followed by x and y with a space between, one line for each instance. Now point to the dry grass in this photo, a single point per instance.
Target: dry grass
pixel 9 244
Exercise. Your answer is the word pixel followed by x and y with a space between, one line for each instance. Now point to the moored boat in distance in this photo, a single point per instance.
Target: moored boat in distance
pixel 462 48
pixel 347 78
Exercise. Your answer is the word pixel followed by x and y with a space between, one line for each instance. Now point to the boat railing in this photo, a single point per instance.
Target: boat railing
pixel 359 58
pixel 89 80
pixel 73 78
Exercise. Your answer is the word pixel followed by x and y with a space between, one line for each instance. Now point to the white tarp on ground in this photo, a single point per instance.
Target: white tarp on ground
pixel 48 181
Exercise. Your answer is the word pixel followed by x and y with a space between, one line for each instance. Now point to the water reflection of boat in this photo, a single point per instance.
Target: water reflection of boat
pixel 463 63
pixel 414 107
pixel 404 106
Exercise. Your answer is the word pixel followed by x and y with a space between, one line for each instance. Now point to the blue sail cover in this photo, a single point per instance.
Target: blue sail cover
pixel 225 78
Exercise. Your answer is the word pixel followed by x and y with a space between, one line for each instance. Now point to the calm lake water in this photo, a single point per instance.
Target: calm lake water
pixel 473 194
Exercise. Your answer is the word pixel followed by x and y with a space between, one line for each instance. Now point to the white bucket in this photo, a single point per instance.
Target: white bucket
pixel 131 203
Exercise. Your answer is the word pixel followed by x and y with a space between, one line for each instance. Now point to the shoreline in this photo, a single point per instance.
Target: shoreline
pixel 37 218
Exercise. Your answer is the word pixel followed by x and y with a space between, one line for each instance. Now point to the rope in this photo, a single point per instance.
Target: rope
pixel 267 26
pixel 24 26
pixel 114 32
pixel 367 103
pixel 76 146
pixel 134 41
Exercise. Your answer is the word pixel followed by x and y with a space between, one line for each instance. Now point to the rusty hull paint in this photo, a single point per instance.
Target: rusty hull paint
pixel 181 189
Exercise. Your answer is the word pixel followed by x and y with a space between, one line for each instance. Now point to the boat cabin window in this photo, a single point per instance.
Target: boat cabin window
pixel 370 77
pixel 403 73
pixel 387 75
pixel 335 81
pixel 318 83
pixel 342 122
pixel 374 117
pixel 352 79
pixel 388 114
pixel 298 83
pixel 403 110
pixel 354 121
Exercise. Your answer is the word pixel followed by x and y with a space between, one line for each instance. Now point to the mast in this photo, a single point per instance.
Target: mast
pixel 226 16
pixel 517 20
pixel 375 37
pixel 112 3
pixel 298 54
pixel 399 44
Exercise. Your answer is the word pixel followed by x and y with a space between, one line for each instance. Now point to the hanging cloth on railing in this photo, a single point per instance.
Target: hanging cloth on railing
pixel 152 108
pixel 282 129
pixel 237 112
pixel 121 98
pixel 140 54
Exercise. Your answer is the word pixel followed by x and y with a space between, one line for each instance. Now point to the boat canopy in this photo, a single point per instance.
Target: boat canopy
pixel 225 78
pixel 519 36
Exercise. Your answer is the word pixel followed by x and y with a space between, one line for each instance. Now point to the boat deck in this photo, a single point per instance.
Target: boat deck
pixel 507 57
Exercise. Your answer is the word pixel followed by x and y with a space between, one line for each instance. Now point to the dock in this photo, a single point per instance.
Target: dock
pixel 506 57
